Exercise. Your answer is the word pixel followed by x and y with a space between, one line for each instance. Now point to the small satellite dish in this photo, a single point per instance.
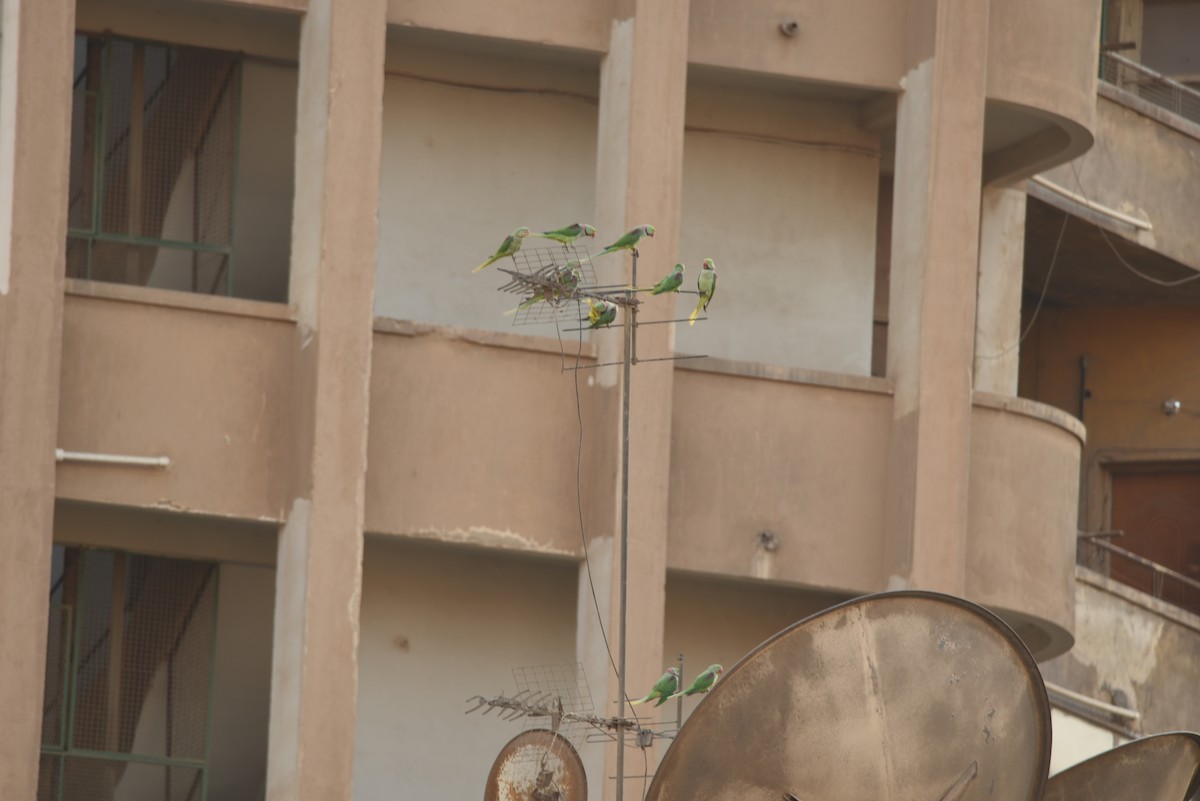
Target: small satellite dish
pixel 905 695
pixel 537 765
pixel 1159 768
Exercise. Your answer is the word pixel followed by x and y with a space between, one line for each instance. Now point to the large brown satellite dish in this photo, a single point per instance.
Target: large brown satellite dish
pixel 911 696
pixel 1159 768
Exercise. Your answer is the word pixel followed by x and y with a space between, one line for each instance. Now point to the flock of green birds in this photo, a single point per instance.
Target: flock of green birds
pixel 603 312
pixel 667 687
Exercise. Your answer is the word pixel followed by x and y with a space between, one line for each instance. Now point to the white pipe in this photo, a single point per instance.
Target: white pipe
pixel 109 458
pixel 1119 711
pixel 1136 222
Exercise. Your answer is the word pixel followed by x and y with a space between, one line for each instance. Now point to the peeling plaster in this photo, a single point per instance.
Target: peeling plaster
pixel 1120 647
pixel 492 537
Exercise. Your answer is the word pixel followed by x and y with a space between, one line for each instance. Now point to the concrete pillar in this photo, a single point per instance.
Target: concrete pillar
pixel 319 571
pixel 639 173
pixel 998 304
pixel 36 54
pixel 931 309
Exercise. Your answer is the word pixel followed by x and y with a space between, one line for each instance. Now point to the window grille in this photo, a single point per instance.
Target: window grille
pixel 129 673
pixel 154 142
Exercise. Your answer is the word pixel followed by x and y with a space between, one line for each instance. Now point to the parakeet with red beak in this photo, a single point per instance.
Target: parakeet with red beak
pixel 706 285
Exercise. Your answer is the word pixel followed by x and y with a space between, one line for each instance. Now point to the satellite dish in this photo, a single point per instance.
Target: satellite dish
pixel 905 695
pixel 1158 768
pixel 537 765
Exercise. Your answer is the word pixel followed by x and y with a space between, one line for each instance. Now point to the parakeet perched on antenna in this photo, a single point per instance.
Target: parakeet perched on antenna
pixel 670 283
pixel 703 682
pixel 706 285
pixel 662 689
pixel 510 245
pixel 568 234
pixel 630 240
pixel 601 312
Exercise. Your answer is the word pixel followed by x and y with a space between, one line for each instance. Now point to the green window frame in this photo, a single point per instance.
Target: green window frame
pixel 149 120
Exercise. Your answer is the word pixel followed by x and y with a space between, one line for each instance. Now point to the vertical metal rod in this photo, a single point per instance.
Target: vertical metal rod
pixel 629 329
pixel 679 700
pixel 116 653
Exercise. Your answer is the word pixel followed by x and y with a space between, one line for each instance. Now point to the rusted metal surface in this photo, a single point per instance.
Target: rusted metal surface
pixel 537 765
pixel 909 695
pixel 1159 768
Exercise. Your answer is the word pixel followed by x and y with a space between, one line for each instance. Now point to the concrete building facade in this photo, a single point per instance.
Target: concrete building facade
pixel 298 487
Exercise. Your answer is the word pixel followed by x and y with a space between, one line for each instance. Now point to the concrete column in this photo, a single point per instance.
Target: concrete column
pixel 931 310
pixel 36 54
pixel 639 173
pixel 319 571
pixel 998 303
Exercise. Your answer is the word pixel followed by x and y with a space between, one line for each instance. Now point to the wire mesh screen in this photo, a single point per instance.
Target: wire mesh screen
pixel 550 282
pixel 1176 97
pixel 138 635
pixel 564 683
pixel 49 777
pixel 153 163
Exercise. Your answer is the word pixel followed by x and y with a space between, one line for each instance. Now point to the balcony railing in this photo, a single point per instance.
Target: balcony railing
pixel 1151 86
pixel 1139 572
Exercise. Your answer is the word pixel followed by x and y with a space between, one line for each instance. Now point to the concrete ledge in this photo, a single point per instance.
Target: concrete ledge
pixel 1148 109
pixel 1138 598
pixel 1029 408
pixel 218 304
pixel 791 375
pixel 477 336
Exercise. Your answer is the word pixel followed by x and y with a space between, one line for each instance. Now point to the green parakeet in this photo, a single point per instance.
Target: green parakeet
pixel 601 312
pixel 569 234
pixel 670 283
pixel 703 682
pixel 630 240
pixel 706 285
pixel 667 684
pixel 510 245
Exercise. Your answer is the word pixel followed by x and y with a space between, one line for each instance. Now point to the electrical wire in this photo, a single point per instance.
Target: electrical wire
pixel 1104 235
pixel 1041 298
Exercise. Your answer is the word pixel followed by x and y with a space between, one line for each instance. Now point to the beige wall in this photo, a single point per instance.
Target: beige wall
pixel 1163 190
pixel 438 626
pixel 782 195
pixel 803 461
pixel 206 387
pixel 1076 739
pixel 464 166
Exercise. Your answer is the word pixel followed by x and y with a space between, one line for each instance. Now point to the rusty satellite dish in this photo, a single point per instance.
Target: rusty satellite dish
pixel 907 695
pixel 537 765
pixel 1159 768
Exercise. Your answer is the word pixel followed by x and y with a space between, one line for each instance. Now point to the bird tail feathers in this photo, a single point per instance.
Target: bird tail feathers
pixel 695 312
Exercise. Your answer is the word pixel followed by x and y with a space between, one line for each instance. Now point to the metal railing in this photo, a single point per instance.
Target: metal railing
pixel 1151 86
pixel 1164 583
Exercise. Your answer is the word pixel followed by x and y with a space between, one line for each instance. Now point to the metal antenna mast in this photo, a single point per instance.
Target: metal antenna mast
pixel 554 281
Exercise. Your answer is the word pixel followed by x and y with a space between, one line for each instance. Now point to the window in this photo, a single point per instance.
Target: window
pixel 154 147
pixel 129 673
